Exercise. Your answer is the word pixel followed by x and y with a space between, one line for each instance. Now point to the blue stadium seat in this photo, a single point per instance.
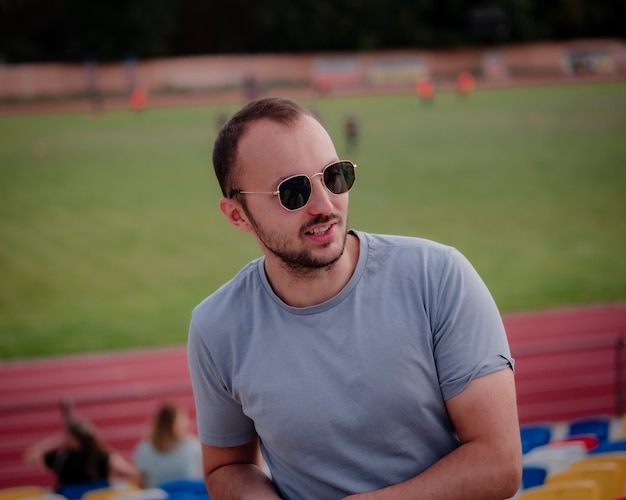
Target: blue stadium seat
pixel 76 491
pixel 609 446
pixel 534 435
pixel 598 426
pixel 186 489
pixel 533 475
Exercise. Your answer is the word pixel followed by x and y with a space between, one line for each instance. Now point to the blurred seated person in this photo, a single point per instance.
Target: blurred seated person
pixel 78 456
pixel 171 452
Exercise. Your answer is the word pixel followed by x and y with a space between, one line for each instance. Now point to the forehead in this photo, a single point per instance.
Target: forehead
pixel 273 148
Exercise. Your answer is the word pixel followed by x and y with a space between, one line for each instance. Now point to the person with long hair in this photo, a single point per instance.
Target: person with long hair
pixel 171 451
pixel 77 455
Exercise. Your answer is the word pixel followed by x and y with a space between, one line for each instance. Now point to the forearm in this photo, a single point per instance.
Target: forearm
pixel 472 471
pixel 239 482
pixel 34 455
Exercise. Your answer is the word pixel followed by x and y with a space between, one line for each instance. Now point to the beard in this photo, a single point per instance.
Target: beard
pixel 299 262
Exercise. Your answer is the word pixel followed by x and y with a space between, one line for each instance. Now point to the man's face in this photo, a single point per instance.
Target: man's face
pixel 308 239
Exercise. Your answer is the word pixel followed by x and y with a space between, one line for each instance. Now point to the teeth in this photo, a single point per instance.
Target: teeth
pixel 319 230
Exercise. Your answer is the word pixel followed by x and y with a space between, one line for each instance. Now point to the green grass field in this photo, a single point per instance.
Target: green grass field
pixel 110 231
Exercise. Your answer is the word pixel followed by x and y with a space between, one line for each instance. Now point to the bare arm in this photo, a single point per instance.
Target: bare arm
pixel 34 455
pixel 120 468
pixel 235 473
pixel 487 464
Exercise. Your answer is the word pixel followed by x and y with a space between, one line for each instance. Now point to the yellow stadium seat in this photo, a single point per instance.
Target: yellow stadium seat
pixel 617 458
pixel 108 493
pixel 605 474
pixel 572 490
pixel 47 496
pixel 19 492
pixel 142 494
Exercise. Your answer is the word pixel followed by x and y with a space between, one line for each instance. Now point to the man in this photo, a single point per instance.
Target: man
pixel 358 364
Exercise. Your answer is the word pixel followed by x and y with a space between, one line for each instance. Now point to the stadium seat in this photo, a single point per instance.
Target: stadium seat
pixel 194 486
pixel 598 426
pixel 590 441
pixel 574 490
pixel 47 496
pixel 534 435
pixel 605 474
pixel 142 494
pixel 186 489
pixel 19 492
pixel 555 458
pixel 110 492
pixel 76 491
pixel 533 475
pixel 619 459
pixel 610 446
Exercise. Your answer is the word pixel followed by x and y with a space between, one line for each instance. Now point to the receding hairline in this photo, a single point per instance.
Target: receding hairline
pixel 226 148
pixel 253 127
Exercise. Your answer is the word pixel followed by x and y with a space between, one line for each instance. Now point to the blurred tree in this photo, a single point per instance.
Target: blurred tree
pixel 76 30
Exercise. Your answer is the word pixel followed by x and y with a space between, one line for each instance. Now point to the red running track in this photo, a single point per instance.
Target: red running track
pixel 570 362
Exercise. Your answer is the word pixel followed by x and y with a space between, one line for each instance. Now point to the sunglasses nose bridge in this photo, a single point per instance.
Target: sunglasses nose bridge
pixel 320 194
pixel 319 174
pixel 321 184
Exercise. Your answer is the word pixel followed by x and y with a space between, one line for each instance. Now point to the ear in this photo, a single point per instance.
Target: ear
pixel 235 214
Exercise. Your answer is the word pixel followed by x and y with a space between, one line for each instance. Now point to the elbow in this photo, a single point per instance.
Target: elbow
pixel 33 458
pixel 213 480
pixel 513 483
pixel 503 467
pixel 511 476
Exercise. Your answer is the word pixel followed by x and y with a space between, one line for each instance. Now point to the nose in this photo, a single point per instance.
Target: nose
pixel 320 201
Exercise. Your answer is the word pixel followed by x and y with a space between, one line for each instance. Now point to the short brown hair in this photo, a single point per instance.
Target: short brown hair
pixel 276 109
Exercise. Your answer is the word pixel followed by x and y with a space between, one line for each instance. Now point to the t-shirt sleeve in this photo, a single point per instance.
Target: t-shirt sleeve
pixel 469 339
pixel 220 417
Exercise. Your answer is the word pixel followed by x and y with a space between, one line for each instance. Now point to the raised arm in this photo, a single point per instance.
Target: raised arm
pixel 34 455
pixel 488 463
pixel 235 473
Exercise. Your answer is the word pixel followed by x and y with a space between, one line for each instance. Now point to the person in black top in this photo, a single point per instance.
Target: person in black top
pixel 77 455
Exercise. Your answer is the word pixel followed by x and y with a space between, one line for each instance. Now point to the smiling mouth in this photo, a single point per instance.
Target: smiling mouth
pixel 319 230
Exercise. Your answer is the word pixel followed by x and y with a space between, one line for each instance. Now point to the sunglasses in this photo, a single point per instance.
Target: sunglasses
pixel 295 191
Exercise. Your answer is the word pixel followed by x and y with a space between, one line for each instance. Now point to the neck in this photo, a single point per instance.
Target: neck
pixel 305 288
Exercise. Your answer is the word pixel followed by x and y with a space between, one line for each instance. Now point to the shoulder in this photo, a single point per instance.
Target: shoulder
pixel 391 242
pixel 220 324
pixel 406 263
pixel 143 449
pixel 190 445
pixel 219 306
pixel 397 250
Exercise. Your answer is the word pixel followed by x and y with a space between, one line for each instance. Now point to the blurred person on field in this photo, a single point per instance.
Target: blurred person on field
pixel 352 128
pixel 351 364
pixel 465 83
pixel 425 89
pixel 77 455
pixel 171 451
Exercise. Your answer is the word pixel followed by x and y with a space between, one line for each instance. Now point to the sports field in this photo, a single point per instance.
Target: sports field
pixel 110 232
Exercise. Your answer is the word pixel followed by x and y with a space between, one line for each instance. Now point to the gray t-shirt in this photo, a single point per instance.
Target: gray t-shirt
pixel 349 395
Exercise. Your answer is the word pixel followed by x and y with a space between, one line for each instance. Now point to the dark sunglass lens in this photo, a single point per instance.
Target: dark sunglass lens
pixel 339 177
pixel 295 192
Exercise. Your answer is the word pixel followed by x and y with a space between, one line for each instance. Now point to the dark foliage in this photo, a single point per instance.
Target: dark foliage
pixel 79 30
